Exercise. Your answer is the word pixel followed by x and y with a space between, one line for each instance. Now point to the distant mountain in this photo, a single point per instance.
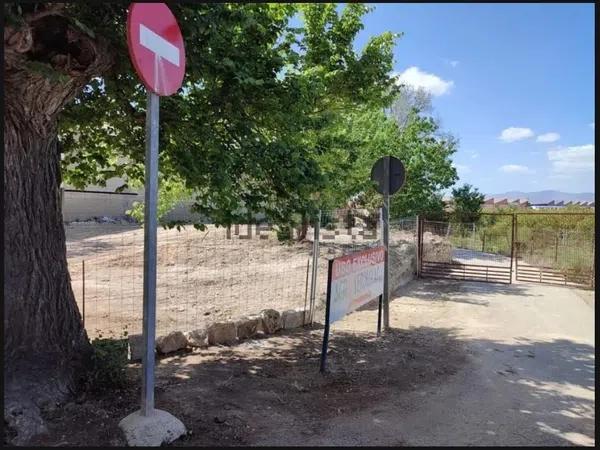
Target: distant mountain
pixel 545 196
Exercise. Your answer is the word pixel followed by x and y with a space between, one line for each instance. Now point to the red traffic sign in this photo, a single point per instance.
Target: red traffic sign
pixel 156 47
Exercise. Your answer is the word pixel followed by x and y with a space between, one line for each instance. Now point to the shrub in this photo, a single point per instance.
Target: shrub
pixel 109 364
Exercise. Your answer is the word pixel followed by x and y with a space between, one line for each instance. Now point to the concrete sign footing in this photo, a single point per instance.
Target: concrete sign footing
pixel 154 430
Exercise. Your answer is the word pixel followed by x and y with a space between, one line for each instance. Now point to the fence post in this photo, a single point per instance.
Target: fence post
pixel 83 291
pixel 418 252
pixel 305 291
pixel 593 280
pixel 315 266
pixel 517 248
pixel 386 273
pixel 556 248
pixel 512 246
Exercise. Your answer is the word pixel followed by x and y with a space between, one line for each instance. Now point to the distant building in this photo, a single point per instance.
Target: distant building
pixel 491 203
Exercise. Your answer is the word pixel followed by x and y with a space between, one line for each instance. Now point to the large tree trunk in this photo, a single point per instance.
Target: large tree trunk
pixel 45 345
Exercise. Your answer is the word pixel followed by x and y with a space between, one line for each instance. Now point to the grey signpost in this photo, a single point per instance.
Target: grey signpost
pixel 388 172
pixel 156 49
pixel 150 224
pixel 315 265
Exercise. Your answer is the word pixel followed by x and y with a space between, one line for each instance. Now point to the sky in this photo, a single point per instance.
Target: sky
pixel 514 82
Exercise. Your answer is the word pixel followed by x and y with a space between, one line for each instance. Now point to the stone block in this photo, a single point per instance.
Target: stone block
pixel 222 333
pixel 247 327
pixel 197 338
pixel 271 321
pixel 171 342
pixel 136 347
pixel 292 319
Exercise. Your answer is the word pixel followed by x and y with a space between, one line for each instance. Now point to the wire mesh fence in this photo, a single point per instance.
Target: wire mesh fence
pixel 346 231
pixel 482 243
pixel 202 276
pixel 215 275
pixel 555 256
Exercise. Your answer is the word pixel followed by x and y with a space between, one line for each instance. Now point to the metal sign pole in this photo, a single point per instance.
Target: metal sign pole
pixel 315 266
pixel 150 224
pixel 379 316
pixel 381 226
pixel 327 309
pixel 386 243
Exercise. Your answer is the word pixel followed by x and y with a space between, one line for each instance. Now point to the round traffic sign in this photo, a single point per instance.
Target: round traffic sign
pixel 395 179
pixel 156 47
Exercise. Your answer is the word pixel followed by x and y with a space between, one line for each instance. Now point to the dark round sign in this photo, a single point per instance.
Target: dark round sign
pixel 394 180
pixel 156 47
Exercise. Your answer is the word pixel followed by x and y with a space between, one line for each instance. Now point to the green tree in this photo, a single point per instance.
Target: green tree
pixel 172 193
pixel 467 201
pixel 240 135
pixel 363 137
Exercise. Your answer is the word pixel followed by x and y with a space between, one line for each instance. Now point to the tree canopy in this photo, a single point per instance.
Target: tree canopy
pixel 467 202
pixel 243 132
pixel 362 137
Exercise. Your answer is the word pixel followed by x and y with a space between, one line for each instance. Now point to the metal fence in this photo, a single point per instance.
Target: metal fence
pixel 219 274
pixel 202 277
pixel 467 251
pixel 546 252
pixel 555 248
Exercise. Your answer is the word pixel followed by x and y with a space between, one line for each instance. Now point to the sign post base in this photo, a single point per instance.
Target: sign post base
pixel 153 430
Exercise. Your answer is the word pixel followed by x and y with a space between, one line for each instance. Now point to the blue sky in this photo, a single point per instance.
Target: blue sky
pixel 523 69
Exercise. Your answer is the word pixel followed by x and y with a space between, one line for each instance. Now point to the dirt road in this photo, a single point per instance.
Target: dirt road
pixel 528 380
pixel 465 364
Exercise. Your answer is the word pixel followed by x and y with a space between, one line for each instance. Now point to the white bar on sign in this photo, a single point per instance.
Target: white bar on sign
pixel 159 45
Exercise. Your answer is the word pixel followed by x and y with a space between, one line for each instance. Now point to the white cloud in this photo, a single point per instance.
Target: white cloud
pixel 572 160
pixel 513 134
pixel 474 155
pixel 515 168
pixel 454 63
pixel 415 78
pixel 548 137
pixel 593 125
pixel 462 168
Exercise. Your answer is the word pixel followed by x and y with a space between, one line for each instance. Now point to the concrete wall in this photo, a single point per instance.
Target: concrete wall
pixel 182 212
pixel 88 205
pixel 105 202
pixel 403 264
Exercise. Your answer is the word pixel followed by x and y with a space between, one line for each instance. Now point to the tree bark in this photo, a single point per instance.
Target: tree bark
pixel 45 345
pixel 303 229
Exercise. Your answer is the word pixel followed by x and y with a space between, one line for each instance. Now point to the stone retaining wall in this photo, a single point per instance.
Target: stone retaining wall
pixel 268 321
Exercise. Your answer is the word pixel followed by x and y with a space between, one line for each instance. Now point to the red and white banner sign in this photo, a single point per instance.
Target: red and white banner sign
pixel 356 279
pixel 156 47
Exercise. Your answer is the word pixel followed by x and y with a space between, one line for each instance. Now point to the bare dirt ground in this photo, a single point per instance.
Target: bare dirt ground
pixel 202 276
pixel 464 364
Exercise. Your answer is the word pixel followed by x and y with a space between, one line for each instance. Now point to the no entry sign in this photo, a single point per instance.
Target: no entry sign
pixel 156 51
pixel 156 47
